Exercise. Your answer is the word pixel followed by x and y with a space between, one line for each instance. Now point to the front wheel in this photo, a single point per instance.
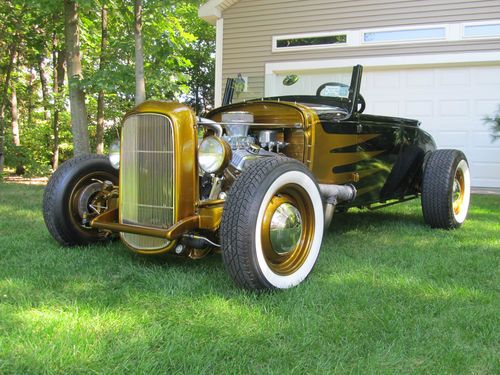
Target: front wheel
pixel 272 225
pixel 74 196
pixel 446 189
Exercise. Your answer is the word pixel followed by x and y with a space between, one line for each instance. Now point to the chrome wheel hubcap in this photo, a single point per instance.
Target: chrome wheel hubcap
pixel 286 228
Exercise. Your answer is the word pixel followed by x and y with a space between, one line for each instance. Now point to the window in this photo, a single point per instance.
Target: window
pixel 311 41
pixel 482 31
pixel 446 32
pixel 409 35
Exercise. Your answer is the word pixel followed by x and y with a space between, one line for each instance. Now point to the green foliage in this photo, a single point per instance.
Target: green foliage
pixel 494 122
pixel 178 55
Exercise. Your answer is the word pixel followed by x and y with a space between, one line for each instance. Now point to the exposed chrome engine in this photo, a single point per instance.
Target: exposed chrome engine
pixel 246 143
pixel 237 125
pixel 247 147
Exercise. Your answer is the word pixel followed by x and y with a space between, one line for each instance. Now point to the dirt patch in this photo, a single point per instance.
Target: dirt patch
pixel 26 180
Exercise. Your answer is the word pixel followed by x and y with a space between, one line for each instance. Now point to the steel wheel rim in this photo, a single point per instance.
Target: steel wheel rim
pixel 74 197
pixel 458 192
pixel 286 263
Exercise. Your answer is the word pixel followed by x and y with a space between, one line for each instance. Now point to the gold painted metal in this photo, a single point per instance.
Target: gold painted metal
pixel 186 190
pixel 289 262
pixel 209 217
pixel 458 191
pixel 185 149
pixel 109 221
pixel 317 145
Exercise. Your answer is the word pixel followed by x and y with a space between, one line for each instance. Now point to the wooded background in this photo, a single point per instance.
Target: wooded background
pixel 69 70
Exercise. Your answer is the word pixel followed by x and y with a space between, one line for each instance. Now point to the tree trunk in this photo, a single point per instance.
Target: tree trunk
pixel 100 98
pixel 12 56
pixel 45 88
pixel 79 124
pixel 14 116
pixel 140 85
pixel 58 59
pixel 30 97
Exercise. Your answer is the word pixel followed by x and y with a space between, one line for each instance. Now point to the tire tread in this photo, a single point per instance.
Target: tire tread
pixel 51 194
pixel 436 194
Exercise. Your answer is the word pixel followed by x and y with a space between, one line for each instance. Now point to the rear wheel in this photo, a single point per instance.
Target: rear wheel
pixel 446 189
pixel 272 225
pixel 74 196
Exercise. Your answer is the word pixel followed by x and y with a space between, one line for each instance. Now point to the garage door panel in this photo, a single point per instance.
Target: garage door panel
pixel 415 108
pixel 486 182
pixel 487 76
pixel 453 108
pixel 484 140
pixel 452 139
pixel 389 107
pixel 485 107
pixel 420 79
pixel 485 174
pixel 386 80
pixel 455 77
pixel 437 124
pixel 481 155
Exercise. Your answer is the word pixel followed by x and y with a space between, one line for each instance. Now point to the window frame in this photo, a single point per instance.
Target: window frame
pixel 445 27
pixel 478 23
pixel 453 32
pixel 276 38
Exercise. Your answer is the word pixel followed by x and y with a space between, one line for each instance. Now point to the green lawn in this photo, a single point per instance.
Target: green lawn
pixel 388 295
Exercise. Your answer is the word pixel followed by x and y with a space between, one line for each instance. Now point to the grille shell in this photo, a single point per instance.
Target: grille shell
pixel 147 178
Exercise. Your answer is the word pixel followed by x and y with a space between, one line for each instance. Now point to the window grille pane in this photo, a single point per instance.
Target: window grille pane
pixel 405 35
pixel 312 41
pixel 482 30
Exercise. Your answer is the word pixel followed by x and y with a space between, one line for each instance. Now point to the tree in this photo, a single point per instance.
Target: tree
pixel 79 124
pixel 175 55
pixel 494 122
pixel 6 83
pixel 100 99
pixel 140 85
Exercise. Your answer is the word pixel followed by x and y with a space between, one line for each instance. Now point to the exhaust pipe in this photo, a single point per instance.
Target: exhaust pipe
pixel 333 194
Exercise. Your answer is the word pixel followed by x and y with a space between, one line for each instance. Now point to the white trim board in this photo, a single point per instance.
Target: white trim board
pixel 385 61
pixel 219 55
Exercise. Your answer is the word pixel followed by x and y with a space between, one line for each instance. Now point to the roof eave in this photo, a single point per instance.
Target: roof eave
pixel 212 10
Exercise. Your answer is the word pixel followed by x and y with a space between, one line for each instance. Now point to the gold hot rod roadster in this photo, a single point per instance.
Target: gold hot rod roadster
pixel 257 181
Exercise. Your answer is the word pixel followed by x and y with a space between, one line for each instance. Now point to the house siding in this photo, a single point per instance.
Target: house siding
pixel 249 26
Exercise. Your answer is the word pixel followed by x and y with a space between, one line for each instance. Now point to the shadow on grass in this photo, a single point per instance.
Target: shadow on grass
pixel 364 218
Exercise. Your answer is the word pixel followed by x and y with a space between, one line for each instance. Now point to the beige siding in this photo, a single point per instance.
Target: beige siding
pixel 249 26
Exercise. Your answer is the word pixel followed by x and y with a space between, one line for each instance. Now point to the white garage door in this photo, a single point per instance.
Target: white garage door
pixel 451 103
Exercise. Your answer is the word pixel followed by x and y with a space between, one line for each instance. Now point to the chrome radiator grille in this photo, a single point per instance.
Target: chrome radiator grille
pixel 147 177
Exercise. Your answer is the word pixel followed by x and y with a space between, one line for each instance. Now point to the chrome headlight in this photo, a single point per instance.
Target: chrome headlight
pixel 214 154
pixel 114 154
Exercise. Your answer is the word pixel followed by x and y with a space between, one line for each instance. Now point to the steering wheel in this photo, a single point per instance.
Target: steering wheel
pixel 361 101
